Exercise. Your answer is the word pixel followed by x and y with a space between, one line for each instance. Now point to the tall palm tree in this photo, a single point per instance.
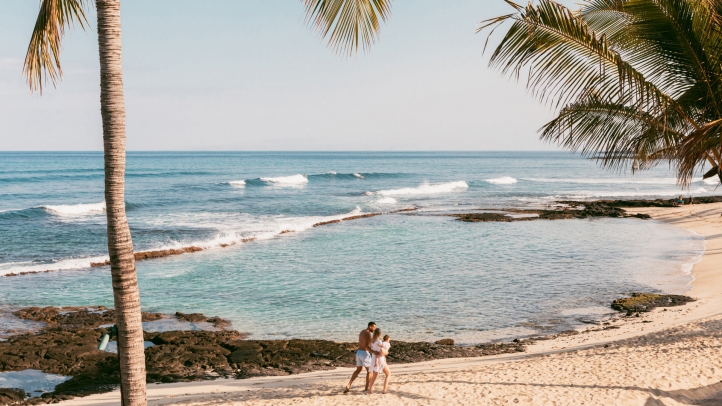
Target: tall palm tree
pixel 349 25
pixel 634 82
pixel 43 58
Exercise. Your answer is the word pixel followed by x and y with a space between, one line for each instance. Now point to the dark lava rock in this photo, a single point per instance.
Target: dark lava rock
pixel 644 302
pixel 403 352
pixel 219 322
pixel 151 316
pixel 188 355
pixel 54 351
pixel 581 210
pixel 65 352
pixel 68 316
pixel 10 396
pixel 192 317
pixel 139 256
pixel 198 317
pixel 74 317
pixel 445 341
pixel 483 217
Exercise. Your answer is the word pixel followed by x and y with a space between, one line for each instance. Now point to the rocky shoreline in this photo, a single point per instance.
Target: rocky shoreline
pixel 67 345
pixel 565 209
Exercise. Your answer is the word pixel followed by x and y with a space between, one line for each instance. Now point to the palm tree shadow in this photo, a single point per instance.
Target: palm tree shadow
pixel 324 391
pixel 708 395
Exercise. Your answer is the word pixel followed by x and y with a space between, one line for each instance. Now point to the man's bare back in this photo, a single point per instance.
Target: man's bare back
pixel 364 340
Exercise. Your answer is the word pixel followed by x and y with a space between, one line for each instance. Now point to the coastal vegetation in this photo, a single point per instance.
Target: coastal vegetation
pixel 634 83
pixel 350 25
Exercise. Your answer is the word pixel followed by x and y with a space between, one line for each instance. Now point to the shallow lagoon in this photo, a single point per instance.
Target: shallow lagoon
pixel 419 276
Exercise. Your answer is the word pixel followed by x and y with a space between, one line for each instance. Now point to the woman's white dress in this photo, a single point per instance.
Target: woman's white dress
pixel 378 345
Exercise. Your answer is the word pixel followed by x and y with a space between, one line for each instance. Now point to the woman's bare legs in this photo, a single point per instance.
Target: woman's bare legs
pixel 374 375
pixel 387 375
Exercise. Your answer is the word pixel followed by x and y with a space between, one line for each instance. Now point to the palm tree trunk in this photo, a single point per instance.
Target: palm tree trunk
pixel 120 244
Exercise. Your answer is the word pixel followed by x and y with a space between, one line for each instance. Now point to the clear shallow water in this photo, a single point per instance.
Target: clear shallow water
pixel 420 276
pixel 32 381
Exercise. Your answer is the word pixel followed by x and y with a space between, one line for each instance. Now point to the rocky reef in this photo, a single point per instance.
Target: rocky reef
pixel 141 255
pixel 67 345
pixel 10 396
pixel 575 210
pixel 644 302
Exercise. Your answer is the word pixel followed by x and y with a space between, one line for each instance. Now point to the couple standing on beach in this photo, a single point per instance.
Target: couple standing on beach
pixel 371 354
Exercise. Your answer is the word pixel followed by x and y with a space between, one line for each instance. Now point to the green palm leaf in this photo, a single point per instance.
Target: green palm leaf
pixel 634 80
pixel 43 57
pixel 615 134
pixel 348 24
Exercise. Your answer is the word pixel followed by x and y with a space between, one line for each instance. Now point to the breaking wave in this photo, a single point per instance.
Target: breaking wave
pixel 50 266
pixel 504 180
pixel 386 200
pixel 237 183
pixel 75 209
pixel 230 230
pixel 287 180
pixel 424 189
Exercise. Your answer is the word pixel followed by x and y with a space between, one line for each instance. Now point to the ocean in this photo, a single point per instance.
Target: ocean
pixel 420 275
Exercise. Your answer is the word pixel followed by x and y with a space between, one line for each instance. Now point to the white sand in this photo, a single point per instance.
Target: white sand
pixel 666 357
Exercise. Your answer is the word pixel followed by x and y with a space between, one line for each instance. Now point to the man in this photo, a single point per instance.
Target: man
pixel 363 355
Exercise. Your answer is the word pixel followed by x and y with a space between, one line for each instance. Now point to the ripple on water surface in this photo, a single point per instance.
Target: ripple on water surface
pixel 418 277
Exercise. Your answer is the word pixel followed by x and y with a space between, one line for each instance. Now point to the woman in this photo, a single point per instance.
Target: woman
pixel 379 350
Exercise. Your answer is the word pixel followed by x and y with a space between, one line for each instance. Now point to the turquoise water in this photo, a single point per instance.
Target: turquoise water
pixel 420 276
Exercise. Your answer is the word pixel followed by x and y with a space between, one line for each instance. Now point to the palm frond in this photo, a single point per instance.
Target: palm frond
pixel 43 57
pixel 613 133
pixel 348 24
pixel 694 151
pixel 673 38
pixel 566 58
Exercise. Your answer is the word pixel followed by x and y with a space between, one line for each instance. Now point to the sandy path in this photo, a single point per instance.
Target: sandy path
pixel 667 357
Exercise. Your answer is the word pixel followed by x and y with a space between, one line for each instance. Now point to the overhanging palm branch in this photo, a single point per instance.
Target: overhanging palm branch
pixel 43 57
pixel 631 79
pixel 615 134
pixel 348 24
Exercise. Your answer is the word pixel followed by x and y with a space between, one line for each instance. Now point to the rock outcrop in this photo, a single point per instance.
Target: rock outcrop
pixel 644 302
pixel 139 256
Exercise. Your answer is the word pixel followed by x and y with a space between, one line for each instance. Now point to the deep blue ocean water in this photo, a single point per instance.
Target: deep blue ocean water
pixel 420 276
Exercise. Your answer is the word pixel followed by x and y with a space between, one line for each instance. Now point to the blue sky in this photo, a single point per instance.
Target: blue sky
pixel 249 75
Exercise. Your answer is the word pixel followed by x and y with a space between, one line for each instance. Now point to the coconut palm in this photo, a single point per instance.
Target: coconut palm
pixel 349 25
pixel 634 82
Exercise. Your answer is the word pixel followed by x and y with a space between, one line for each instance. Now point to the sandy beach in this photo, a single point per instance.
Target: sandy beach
pixel 670 356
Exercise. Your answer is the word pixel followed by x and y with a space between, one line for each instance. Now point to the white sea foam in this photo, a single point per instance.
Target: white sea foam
pixel 698 245
pixel 59 265
pixel 386 200
pixel 75 209
pixel 287 180
pixel 358 175
pixel 504 180
pixel 424 189
pixel 237 183
pixel 712 181
pixel 232 229
pixel 332 173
